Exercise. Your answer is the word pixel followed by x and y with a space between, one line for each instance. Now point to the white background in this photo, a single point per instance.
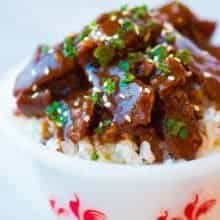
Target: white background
pixel 23 25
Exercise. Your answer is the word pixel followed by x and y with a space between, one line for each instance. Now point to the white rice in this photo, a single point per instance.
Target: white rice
pixel 125 152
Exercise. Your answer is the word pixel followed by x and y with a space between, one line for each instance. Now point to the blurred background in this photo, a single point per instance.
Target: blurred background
pixel 23 25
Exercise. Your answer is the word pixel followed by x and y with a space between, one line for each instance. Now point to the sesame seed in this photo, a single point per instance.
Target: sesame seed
pixel 59 110
pixel 34 88
pixel 170 48
pixel 171 78
pixel 168 27
pixel 171 56
pixel 76 103
pixel 120 21
pixel 189 73
pixel 113 18
pixel 163 32
pixel 105 98
pixel 196 108
pixel 33 72
pixel 102 38
pixel 122 96
pixel 108 38
pixel 137 30
pixel 46 71
pixel 86 118
pixel 177 59
pixel 150 60
pixel 98 33
pixel 147 90
pixel 125 12
pixel 108 104
pixel 35 95
pixel 116 36
pixel 96 89
pixel 207 75
pixel 127 118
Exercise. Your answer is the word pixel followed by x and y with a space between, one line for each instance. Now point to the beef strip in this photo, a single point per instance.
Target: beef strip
pixel 81 111
pixel 34 105
pixel 204 66
pixel 42 69
pixel 164 84
pixel 178 106
pixel 198 30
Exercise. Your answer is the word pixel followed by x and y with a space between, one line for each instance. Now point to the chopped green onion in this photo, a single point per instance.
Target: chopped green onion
pixel 95 97
pixel 102 126
pixel 163 68
pixel 58 113
pixel 117 43
pixel 139 11
pixel 44 49
pixel 94 155
pixel 124 8
pixel 104 54
pixel 127 78
pixel 184 55
pixel 183 133
pixel 158 53
pixel 152 23
pixel 176 128
pixel 86 31
pixel 135 57
pixel 127 25
pixel 170 38
pixel 109 86
pixel 69 50
pixel 124 65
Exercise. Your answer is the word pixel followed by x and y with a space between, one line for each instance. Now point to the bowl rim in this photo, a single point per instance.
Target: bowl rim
pixel 65 163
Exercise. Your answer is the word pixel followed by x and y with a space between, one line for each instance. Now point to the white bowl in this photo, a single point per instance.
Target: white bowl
pixel 70 188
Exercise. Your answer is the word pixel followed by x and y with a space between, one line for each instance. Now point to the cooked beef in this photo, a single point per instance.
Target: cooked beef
pixel 133 74
pixel 43 69
pixel 178 107
pixel 81 112
pixel 34 104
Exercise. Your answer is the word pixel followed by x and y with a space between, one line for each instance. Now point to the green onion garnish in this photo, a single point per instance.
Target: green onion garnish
pixel 158 53
pixel 117 43
pixel 104 54
pixel 176 128
pixel 102 126
pixel 69 50
pixel 124 65
pixel 170 38
pixel 94 155
pixel 127 78
pixel 139 11
pixel 109 86
pixel 95 97
pixel 184 55
pixel 86 31
pixel 163 68
pixel 58 113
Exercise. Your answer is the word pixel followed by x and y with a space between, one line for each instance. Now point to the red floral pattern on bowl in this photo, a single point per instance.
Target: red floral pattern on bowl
pixel 74 209
pixel 193 210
